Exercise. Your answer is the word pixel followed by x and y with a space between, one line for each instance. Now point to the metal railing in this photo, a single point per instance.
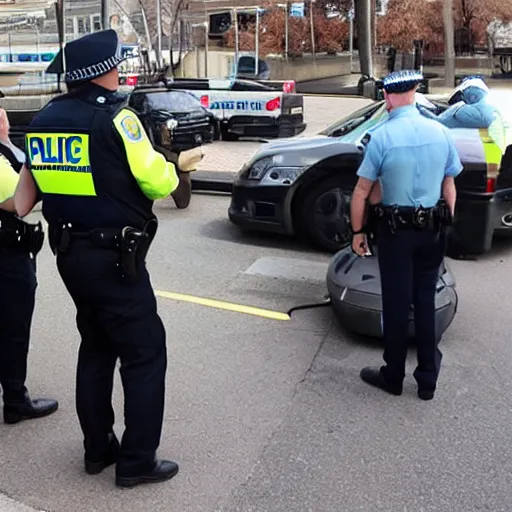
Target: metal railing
pixel 28 38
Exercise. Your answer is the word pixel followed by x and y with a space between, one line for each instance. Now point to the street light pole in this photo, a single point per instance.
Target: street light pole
pixel 159 33
pixel 449 44
pixel 104 14
pixel 363 11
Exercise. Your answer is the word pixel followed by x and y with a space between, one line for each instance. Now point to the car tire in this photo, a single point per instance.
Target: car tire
pixel 324 215
pixel 227 135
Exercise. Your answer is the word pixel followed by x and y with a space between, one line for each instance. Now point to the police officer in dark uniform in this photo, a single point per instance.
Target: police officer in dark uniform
pixel 19 244
pixel 413 162
pixel 91 162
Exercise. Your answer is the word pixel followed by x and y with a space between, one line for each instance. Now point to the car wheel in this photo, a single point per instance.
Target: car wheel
pixel 325 215
pixel 229 136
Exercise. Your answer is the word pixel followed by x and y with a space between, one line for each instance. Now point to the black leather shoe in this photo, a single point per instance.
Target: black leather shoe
pixel 96 467
pixel 425 394
pixel 163 470
pixel 374 377
pixel 29 409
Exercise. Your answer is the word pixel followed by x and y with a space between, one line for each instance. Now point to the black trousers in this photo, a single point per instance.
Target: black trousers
pixel 409 263
pixel 18 285
pixel 116 318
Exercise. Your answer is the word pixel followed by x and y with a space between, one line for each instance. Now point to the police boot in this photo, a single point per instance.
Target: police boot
pixel 375 377
pixel 28 409
pixel 94 467
pixel 162 470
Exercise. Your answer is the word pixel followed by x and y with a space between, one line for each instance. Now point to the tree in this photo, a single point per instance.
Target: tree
pixel 407 20
pixel 331 35
pixel 474 16
pixel 170 20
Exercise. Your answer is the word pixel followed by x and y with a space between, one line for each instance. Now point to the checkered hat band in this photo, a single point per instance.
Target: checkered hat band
pixel 94 71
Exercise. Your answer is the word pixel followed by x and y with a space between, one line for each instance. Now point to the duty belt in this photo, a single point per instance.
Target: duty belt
pixel 131 243
pixel 17 235
pixel 419 218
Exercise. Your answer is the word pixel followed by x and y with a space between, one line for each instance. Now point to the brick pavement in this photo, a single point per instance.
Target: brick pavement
pixel 319 111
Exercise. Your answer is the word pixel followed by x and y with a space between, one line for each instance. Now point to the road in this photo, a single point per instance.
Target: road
pixel 267 415
pixel 270 416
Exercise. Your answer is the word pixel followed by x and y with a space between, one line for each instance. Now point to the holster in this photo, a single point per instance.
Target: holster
pixel 59 236
pixel 19 236
pixel 131 243
pixel 135 246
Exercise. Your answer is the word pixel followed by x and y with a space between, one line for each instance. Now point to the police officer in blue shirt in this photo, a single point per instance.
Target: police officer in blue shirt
pixel 473 110
pixel 413 161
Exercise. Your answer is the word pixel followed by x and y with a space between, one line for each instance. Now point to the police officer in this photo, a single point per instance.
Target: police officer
pixel 472 111
pixel 91 162
pixel 19 244
pixel 413 162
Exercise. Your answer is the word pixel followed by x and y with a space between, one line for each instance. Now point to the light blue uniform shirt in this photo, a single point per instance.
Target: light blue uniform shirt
pixel 473 112
pixel 410 155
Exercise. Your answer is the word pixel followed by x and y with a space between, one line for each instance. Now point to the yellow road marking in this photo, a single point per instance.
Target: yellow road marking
pixel 228 306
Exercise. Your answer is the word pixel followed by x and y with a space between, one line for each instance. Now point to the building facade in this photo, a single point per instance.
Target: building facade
pixel 31 21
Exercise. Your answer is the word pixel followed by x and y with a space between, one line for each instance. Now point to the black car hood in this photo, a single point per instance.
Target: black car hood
pixel 304 151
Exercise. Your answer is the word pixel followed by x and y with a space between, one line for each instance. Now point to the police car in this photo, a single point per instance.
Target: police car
pixel 302 186
pixel 246 108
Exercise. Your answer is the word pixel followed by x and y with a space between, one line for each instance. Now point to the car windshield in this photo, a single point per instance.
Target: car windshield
pixel 354 126
pixel 173 101
pixel 350 122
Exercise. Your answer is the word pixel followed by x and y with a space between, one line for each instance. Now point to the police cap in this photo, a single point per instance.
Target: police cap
pixel 88 57
pixel 400 82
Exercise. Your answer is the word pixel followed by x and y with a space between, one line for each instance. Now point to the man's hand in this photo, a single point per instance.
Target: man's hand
pixel 360 245
pixel 4 126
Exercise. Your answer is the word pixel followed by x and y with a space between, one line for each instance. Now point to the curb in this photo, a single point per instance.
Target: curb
pixel 7 504
pixel 213 181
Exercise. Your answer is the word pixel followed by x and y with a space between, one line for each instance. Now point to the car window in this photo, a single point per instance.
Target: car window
pixel 362 129
pixel 351 122
pixel 172 101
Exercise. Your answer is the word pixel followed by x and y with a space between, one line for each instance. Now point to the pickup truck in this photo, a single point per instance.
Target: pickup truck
pixel 243 107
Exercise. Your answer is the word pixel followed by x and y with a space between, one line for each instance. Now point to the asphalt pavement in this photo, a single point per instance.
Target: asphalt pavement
pixel 267 415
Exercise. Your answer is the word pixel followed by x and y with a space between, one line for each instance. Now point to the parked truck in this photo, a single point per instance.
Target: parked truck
pixel 500 45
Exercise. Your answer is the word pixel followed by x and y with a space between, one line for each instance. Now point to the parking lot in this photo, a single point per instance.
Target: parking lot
pixel 319 112
pixel 269 415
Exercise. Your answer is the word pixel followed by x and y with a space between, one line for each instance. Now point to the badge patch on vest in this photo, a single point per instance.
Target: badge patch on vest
pixel 131 128
pixel 60 163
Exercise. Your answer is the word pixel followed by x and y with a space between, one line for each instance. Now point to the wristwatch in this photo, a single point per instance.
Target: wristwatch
pixel 360 232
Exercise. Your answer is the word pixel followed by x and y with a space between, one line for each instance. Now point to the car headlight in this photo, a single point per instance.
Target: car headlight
pixel 286 175
pixel 269 167
pixel 257 170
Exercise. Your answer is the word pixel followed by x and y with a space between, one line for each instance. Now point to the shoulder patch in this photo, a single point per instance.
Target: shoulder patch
pixel 131 128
